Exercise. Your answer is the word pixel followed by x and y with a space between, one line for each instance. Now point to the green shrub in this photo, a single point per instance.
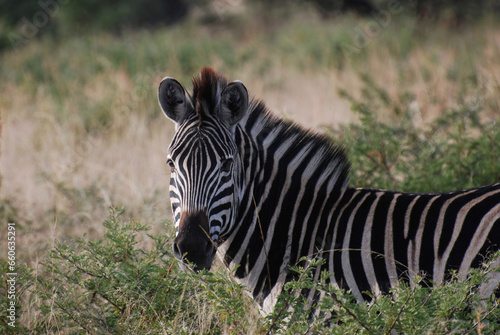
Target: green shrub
pixel 116 286
pixel 26 19
pixel 458 150
pixel 454 307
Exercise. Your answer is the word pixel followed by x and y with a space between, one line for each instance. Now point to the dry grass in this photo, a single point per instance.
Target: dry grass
pixel 62 179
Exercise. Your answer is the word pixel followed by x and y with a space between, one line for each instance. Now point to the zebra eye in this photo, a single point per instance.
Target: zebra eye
pixel 226 165
pixel 171 164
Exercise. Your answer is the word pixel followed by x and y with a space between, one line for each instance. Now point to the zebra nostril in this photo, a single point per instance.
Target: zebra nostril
pixel 177 252
pixel 209 249
pixel 192 244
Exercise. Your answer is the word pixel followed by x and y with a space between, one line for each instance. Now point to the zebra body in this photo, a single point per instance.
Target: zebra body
pixel 263 193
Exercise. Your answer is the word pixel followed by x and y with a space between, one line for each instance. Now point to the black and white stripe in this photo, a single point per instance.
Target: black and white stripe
pixel 273 193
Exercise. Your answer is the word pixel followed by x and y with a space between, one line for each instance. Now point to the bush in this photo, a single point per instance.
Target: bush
pixel 451 308
pixel 22 20
pixel 118 14
pixel 458 150
pixel 116 286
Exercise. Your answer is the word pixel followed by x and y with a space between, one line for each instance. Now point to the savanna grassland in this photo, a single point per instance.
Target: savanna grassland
pixel 416 103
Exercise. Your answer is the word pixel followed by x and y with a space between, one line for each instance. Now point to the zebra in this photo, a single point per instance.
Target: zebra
pixel 262 192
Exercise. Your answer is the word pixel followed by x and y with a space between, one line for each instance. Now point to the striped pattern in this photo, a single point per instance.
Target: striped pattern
pixel 193 188
pixel 415 233
pixel 286 196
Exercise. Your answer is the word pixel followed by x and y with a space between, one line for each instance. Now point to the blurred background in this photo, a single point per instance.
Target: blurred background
pixel 81 129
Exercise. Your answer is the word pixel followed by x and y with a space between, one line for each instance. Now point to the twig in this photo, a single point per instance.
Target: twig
pixel 351 313
pixel 399 314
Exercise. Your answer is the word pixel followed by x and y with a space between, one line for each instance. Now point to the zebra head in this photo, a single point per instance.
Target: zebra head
pixel 206 169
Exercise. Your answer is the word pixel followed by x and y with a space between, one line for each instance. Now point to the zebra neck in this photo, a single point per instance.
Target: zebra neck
pixel 291 177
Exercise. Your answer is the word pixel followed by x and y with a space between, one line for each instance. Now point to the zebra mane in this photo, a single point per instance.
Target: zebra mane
pixel 207 88
pixel 260 123
pixel 264 126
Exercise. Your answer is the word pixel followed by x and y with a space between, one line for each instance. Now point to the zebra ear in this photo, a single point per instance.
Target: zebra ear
pixel 233 103
pixel 173 100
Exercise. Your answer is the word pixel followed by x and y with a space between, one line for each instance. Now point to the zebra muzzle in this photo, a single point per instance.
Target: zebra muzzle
pixel 193 244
